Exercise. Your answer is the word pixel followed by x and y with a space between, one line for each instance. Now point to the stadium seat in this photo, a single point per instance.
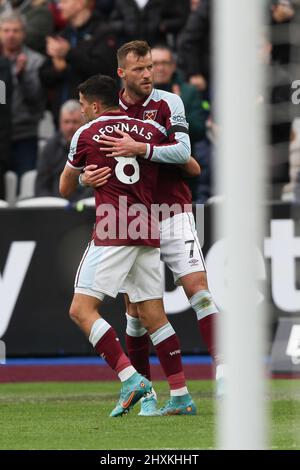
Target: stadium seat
pixel 217 199
pixel 3 204
pixel 27 183
pixel 46 128
pixel 288 197
pixel 42 202
pixel 11 183
pixel 86 202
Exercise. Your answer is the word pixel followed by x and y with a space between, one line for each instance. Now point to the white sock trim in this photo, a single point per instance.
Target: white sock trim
pixel 134 327
pixel 179 392
pixel 162 334
pixel 126 373
pixel 203 304
pixel 99 328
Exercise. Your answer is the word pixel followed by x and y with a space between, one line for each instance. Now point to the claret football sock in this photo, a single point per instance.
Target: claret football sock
pixel 138 346
pixel 207 314
pixel 167 348
pixel 107 345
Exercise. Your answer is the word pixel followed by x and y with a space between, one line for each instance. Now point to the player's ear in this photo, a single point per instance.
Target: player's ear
pixel 95 107
pixel 120 72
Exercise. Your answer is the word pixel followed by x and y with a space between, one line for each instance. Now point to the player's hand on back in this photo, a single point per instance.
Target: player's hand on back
pixel 123 146
pixel 95 177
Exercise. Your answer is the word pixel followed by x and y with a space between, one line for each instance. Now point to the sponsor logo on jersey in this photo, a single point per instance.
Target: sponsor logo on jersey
pixel 150 115
pixel 179 119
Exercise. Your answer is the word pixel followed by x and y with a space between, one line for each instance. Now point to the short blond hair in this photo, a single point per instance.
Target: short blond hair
pixel 138 48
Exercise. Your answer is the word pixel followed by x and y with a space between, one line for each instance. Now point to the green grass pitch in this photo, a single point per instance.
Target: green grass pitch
pixel 75 416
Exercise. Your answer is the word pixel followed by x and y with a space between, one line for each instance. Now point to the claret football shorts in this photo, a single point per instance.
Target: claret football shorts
pixel 103 270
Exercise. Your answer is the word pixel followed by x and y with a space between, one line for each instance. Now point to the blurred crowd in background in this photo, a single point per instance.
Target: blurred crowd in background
pixel 47 48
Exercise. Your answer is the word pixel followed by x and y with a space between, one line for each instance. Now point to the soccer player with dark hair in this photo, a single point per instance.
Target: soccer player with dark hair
pixel 125 246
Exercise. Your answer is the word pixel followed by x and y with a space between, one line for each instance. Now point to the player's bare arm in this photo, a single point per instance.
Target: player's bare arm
pixel 191 168
pixel 95 177
pixel 68 181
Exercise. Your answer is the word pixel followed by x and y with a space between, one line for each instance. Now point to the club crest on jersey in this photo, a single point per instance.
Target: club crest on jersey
pixel 150 115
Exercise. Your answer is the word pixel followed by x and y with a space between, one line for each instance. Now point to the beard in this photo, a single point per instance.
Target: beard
pixel 138 90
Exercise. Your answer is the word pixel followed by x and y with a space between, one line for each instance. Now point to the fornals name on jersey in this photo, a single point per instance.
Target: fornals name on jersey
pixel 124 127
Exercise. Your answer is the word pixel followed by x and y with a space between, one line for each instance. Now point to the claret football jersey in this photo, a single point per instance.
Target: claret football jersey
pixel 166 109
pixel 124 212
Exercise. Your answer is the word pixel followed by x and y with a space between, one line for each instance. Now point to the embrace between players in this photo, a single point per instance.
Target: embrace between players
pixel 134 150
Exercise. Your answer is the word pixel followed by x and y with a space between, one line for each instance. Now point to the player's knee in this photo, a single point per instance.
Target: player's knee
pixel 154 321
pixel 132 310
pixel 75 312
pixel 143 319
pixel 194 283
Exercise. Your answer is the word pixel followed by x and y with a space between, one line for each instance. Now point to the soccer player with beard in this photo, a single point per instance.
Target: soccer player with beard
pixel 125 246
pixel 182 252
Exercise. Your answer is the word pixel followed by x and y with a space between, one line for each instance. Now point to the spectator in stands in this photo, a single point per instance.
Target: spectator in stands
pixel 167 77
pixel 105 7
pixel 86 47
pixel 54 155
pixel 38 20
pixel 4 6
pixel 194 4
pixel 27 93
pixel 194 48
pixel 151 20
pixel 59 22
pixel 5 118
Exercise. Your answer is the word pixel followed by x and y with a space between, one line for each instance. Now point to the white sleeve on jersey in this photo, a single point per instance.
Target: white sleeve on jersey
pixel 178 151
pixel 76 155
